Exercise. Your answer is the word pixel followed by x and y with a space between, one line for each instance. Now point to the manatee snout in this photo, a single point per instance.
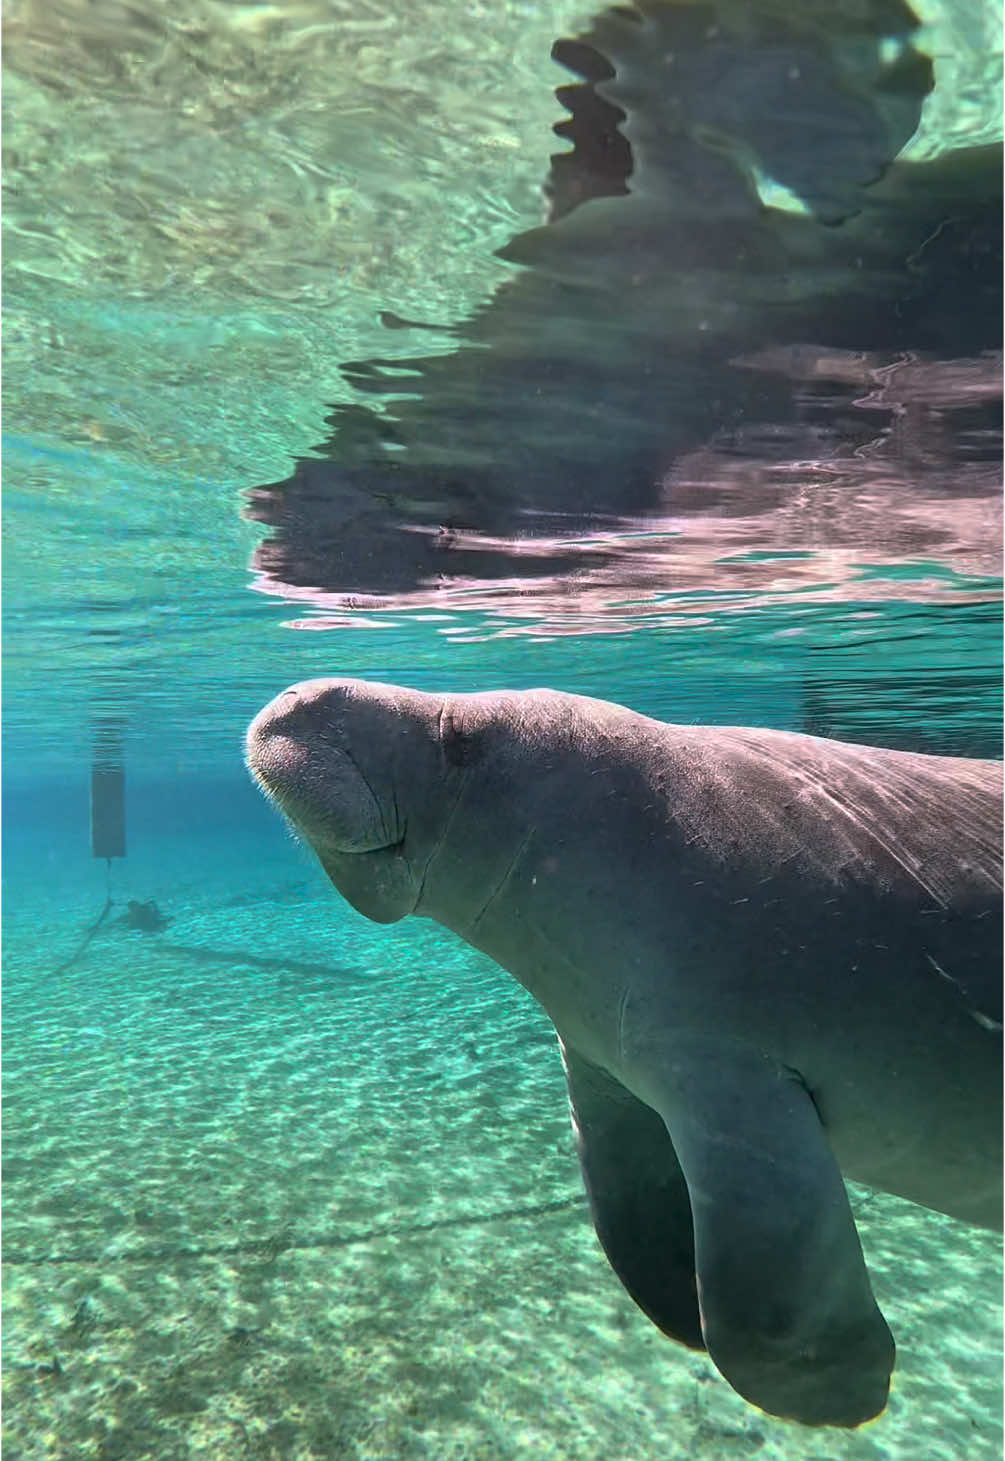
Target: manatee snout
pixel 299 751
pixel 284 738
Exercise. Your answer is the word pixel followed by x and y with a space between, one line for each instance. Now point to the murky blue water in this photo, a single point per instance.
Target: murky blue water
pixel 279 1182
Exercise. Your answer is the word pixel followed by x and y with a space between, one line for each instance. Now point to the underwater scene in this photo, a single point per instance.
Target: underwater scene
pixel 502 729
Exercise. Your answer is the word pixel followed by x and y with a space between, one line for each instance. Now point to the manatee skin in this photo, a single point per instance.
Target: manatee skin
pixel 771 959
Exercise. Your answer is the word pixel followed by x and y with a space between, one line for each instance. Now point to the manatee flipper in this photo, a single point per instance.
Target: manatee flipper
pixel 787 1312
pixel 638 1197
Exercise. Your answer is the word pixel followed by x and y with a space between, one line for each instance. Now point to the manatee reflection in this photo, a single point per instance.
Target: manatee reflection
pixel 687 389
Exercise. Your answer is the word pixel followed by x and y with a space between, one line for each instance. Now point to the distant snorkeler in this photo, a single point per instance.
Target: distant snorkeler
pixel 144 917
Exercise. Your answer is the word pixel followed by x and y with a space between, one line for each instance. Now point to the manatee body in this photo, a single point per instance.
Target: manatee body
pixel 770 959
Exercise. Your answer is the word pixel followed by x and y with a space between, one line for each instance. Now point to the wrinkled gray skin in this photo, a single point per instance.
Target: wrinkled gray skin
pixel 771 959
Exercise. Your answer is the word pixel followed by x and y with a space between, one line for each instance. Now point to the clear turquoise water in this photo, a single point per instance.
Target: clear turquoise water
pixel 279 1183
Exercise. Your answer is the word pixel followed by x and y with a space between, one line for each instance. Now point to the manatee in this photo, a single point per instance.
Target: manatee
pixel 772 961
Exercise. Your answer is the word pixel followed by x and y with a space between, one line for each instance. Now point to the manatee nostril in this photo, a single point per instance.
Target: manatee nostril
pixel 279 717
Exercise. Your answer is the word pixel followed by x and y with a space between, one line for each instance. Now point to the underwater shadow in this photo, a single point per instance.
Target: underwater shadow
pixel 200 954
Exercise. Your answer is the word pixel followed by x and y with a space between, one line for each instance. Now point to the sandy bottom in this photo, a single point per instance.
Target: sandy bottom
pixel 283 1184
